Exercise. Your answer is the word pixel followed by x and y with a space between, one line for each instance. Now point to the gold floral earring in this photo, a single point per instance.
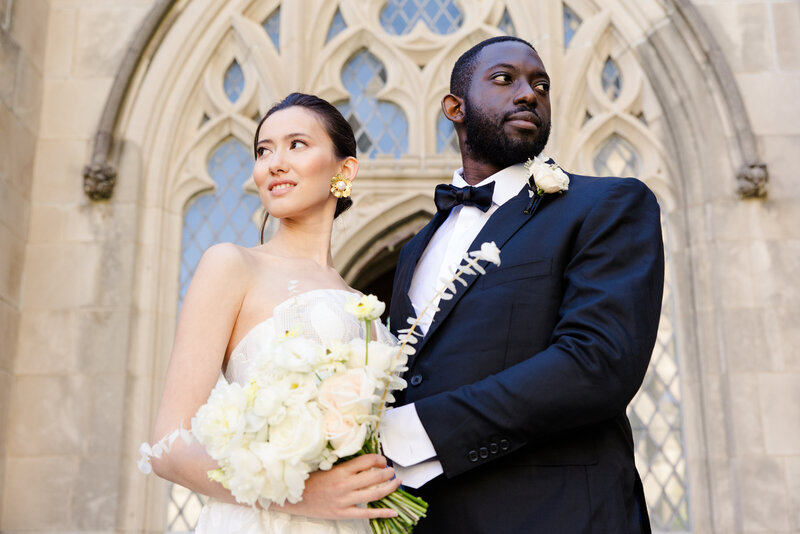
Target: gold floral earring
pixel 341 186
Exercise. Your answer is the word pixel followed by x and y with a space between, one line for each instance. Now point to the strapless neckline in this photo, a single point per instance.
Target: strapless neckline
pixel 264 323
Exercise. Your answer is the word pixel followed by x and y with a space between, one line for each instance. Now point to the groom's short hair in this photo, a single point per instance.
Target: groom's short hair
pixel 465 65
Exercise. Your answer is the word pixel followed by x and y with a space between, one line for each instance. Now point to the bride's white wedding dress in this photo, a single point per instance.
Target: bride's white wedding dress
pixel 321 315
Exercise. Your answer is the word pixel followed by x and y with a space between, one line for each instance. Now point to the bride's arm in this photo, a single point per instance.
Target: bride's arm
pixel 206 321
pixel 207 318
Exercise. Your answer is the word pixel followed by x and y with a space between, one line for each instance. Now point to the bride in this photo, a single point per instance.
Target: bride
pixel 239 296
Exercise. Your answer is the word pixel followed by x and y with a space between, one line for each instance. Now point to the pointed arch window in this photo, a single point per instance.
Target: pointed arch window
pixel 571 23
pixel 399 17
pixel 446 138
pixel 616 158
pixel 225 215
pixel 338 25
pixel 379 127
pixel 506 25
pixel 233 82
pixel 272 25
pixel 612 79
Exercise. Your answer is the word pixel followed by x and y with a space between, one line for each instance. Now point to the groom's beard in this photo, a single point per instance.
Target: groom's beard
pixel 486 141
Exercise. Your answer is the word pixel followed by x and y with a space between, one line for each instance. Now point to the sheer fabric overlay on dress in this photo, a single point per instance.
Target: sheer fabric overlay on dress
pixel 321 315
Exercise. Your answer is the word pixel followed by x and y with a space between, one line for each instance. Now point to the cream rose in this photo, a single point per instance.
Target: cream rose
pixel 344 433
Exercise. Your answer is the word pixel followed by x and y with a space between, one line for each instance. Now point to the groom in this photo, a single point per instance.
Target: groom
pixel 514 416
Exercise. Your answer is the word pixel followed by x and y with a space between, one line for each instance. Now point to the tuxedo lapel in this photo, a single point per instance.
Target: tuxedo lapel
pixel 500 227
pixel 405 273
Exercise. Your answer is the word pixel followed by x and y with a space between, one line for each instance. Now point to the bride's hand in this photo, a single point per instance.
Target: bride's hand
pixel 334 494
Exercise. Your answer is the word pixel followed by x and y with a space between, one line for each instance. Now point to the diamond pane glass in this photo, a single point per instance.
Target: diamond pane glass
pixel 400 16
pixel 506 25
pixel 612 79
pixel 616 158
pixel 571 23
pixel 379 127
pixel 273 28
pixel 338 25
pixel 446 138
pixel 655 415
pixel 234 81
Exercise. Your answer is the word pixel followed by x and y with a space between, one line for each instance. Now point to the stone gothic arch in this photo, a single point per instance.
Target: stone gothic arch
pixel 155 137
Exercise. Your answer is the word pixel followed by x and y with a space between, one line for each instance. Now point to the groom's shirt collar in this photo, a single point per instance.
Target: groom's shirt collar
pixel 507 183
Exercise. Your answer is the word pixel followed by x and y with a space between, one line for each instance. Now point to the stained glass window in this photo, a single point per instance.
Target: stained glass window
pixel 571 23
pixel 338 25
pixel 506 25
pixel 273 28
pixel 616 158
pixel 379 127
pixel 400 16
pixel 233 82
pixel 446 138
pixel 612 79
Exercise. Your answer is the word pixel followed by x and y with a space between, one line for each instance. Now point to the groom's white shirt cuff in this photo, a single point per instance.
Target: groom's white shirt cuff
pixel 406 443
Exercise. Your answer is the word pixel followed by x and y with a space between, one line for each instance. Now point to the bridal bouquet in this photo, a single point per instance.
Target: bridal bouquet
pixel 307 406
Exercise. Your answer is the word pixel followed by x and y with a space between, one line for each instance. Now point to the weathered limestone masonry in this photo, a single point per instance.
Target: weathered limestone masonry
pixel 22 54
pixel 87 312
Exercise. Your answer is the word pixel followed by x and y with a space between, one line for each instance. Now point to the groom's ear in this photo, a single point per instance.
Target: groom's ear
pixel 453 108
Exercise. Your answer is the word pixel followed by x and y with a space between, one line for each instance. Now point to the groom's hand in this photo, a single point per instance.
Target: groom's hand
pixel 335 494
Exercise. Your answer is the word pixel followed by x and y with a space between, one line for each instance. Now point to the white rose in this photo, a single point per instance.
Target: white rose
pixel 548 178
pixel 220 423
pixel 299 437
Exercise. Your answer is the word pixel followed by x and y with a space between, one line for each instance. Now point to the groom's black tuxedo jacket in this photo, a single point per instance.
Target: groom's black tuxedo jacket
pixel 523 377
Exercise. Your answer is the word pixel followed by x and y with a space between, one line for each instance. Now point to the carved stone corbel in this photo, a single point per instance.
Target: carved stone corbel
pixel 752 180
pixel 99 180
pixel 100 177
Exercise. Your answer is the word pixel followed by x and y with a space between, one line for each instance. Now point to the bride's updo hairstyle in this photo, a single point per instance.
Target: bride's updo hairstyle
pixel 337 128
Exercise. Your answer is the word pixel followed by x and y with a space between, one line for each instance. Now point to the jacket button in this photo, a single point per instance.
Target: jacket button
pixel 416 380
pixel 484 452
pixel 493 448
pixel 504 444
pixel 473 456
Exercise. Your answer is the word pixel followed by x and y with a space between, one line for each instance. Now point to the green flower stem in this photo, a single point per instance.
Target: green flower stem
pixel 367 325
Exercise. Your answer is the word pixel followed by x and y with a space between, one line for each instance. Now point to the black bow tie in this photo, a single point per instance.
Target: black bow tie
pixel 449 196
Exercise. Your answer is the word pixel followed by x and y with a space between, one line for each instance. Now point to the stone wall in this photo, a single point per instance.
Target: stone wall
pixel 67 388
pixel 752 343
pixel 22 54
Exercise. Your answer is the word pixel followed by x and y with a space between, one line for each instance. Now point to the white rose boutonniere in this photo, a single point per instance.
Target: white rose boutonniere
pixel 547 177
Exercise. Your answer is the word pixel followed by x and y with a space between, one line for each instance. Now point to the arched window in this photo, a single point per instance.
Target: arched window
pixel 616 158
pixel 224 216
pixel 571 23
pixel 400 16
pixel 380 127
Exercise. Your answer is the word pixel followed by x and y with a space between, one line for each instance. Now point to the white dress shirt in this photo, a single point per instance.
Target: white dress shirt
pixel 403 437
